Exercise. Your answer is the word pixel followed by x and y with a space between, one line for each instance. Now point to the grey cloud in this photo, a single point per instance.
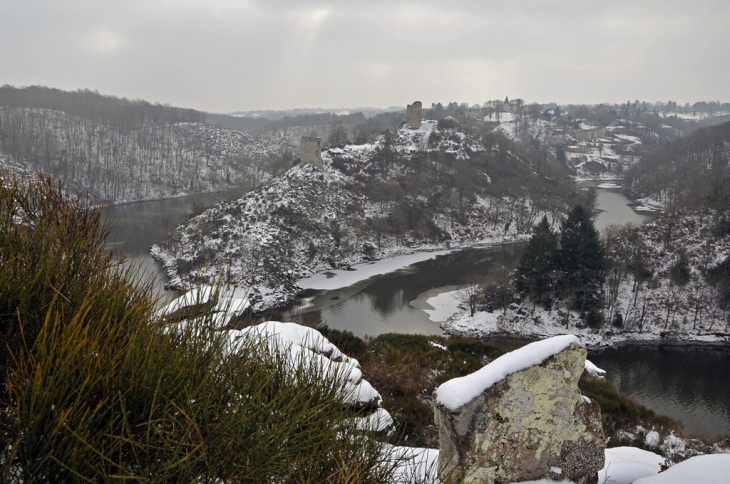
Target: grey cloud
pixel 225 55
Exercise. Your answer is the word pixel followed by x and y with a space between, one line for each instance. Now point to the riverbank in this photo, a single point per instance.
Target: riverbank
pixel 278 289
pixel 525 322
pixel 658 291
pixel 539 325
pixel 225 194
pixel 357 275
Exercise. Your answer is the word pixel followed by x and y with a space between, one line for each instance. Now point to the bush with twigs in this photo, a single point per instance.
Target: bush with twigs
pixel 95 389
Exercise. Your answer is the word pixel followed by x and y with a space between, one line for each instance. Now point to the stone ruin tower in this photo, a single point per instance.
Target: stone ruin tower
pixel 414 115
pixel 310 150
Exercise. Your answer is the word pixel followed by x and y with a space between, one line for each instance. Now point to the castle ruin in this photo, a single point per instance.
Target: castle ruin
pixel 310 150
pixel 414 115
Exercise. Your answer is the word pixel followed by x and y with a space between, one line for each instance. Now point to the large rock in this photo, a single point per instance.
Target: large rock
pixel 521 418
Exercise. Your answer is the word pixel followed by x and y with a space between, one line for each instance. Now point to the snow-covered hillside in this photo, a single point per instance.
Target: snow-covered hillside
pixel 424 189
pixel 656 301
pixel 122 163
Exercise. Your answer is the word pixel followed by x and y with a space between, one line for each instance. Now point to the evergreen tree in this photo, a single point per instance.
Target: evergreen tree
pixel 680 272
pixel 535 273
pixel 581 258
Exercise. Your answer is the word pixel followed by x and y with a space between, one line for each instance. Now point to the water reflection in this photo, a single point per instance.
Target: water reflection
pixel 688 384
pixel 382 304
pixel 614 207
pixel 139 225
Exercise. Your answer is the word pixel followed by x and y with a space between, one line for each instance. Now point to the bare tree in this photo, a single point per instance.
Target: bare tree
pixel 470 292
pixel 338 135
pixel 279 163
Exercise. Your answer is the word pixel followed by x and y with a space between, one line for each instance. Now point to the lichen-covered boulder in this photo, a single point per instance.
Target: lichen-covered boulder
pixel 521 418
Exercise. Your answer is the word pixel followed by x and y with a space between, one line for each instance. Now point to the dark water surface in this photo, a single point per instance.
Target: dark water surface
pixel 139 225
pixel 691 385
pixel 383 304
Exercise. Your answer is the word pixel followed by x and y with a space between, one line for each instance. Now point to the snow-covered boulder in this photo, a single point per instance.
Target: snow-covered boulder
pixel 308 347
pixel 521 418
pixel 300 347
pixel 223 304
pixel 593 370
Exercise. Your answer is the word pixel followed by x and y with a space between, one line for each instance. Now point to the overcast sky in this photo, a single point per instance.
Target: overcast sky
pixel 229 55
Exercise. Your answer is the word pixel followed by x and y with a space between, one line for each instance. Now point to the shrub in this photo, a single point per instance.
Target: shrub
pixel 618 411
pixel 594 318
pixel 95 388
pixel 346 341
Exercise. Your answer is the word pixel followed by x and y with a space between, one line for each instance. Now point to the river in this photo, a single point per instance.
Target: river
pixel 686 384
pixel 394 302
pixel 690 386
pixel 141 224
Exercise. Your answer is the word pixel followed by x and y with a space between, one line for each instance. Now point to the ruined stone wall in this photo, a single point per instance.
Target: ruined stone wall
pixel 531 425
pixel 310 151
pixel 414 115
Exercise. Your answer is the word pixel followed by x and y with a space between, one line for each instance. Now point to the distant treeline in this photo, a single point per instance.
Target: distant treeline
pixel 115 149
pixel 96 107
pixel 262 126
pixel 693 170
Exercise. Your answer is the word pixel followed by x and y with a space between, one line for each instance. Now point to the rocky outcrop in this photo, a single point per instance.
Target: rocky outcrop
pixel 521 418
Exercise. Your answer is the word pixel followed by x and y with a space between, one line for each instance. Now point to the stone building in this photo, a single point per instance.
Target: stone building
pixel 310 150
pixel 589 134
pixel 414 115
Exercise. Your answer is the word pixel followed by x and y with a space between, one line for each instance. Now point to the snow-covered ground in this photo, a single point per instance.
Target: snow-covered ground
pixel 444 305
pixel 339 278
pixel 626 464
pixel 623 465
pixel 694 116
pixel 538 323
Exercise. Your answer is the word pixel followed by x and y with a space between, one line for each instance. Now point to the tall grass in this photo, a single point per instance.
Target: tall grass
pixel 93 390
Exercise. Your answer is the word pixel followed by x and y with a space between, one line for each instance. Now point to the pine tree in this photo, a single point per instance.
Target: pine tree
pixel 680 272
pixel 581 259
pixel 535 274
